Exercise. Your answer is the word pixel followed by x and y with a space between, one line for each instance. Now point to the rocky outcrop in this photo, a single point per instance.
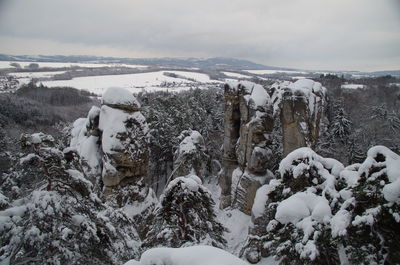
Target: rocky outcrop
pixel 190 156
pixel 113 141
pixel 302 108
pixel 251 112
pixel 246 148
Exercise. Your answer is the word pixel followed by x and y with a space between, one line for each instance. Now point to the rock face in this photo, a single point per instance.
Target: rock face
pixel 302 110
pixel 251 112
pixel 190 156
pixel 246 152
pixel 113 141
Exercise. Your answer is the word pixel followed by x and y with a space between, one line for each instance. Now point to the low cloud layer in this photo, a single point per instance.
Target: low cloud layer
pixel 311 34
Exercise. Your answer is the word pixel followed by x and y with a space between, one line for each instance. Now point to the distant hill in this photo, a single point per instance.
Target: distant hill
pixel 217 62
pixel 391 72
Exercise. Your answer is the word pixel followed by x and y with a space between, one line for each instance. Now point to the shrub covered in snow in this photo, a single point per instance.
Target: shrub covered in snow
pixel 319 212
pixel 368 223
pixel 185 216
pixel 57 219
pixel 291 214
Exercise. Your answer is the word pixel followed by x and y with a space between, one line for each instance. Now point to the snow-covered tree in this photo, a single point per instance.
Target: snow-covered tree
pixel 55 218
pixel 368 223
pixel 190 156
pixel 291 214
pixel 185 216
pixel 318 212
pixel 340 125
pixel 390 119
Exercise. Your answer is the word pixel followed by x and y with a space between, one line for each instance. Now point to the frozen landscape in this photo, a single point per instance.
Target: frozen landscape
pixel 199 133
pixel 166 193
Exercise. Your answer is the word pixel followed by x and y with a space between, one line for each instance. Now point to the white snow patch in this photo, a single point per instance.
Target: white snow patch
pixel 261 197
pixel 339 223
pixel 269 72
pixel 391 191
pixel 350 175
pixel 135 83
pixel 27 158
pixel 195 255
pixel 117 95
pixel 189 143
pixel 301 205
pixel 236 75
pixel 352 86
pixel 260 95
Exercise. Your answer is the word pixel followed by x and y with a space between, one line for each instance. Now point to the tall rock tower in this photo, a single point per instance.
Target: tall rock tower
pixel 246 148
pixel 251 112
pixel 113 142
pixel 303 109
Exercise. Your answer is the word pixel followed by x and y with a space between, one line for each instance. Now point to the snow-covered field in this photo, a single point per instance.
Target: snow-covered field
pixel 6 64
pixel 270 72
pixel 236 75
pixel 152 81
pixel 352 86
pixel 199 77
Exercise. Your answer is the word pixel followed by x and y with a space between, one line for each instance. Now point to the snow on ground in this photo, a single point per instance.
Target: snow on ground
pixel 298 77
pixel 352 86
pixel 234 220
pixel 6 64
pixel 195 255
pixel 236 75
pixel 199 77
pixel 151 81
pixel 270 72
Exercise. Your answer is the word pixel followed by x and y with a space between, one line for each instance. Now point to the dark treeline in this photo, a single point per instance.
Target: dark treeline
pixel 360 118
pixel 168 114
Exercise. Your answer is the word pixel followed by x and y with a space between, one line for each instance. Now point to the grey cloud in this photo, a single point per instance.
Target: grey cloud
pixel 294 33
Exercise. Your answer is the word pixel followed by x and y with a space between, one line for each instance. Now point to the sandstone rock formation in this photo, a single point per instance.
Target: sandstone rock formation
pixel 113 141
pixel 190 156
pixel 246 152
pixel 302 107
pixel 251 112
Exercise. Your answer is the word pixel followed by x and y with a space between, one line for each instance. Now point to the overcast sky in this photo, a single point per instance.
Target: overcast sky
pixel 308 34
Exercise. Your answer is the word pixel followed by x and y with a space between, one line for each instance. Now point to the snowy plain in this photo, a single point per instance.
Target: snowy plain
pixel 231 74
pixel 150 81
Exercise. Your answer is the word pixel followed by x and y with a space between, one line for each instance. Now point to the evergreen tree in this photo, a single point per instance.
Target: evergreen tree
pixel 291 214
pixel 341 126
pixel 55 218
pixel 373 233
pixel 185 216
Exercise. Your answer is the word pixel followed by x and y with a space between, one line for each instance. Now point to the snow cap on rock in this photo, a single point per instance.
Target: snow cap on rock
pixel 115 96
